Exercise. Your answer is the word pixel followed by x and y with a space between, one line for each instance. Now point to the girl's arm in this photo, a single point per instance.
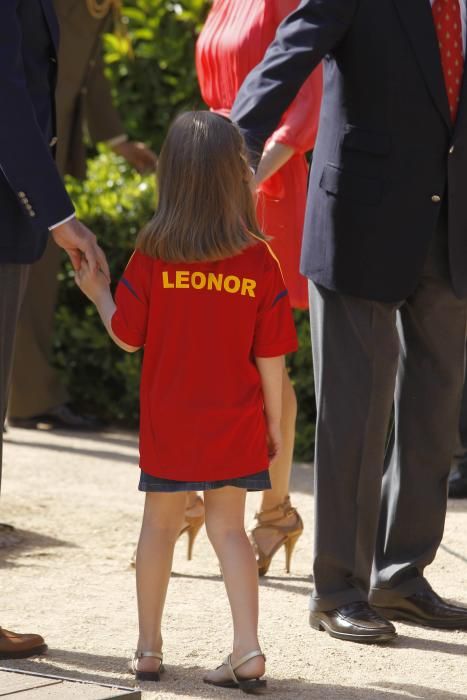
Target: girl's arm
pixel 96 287
pixel 271 370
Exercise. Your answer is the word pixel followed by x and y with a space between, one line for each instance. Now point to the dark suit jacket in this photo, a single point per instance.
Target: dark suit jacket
pixel 386 150
pixel 32 195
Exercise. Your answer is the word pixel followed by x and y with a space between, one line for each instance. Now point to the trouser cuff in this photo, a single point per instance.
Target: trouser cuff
pixel 387 596
pixel 335 600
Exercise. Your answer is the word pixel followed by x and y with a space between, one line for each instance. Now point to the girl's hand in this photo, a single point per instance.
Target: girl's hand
pixel 274 440
pixel 92 283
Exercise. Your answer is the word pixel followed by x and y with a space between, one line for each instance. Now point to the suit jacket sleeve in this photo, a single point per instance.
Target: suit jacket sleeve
pixel 25 156
pixel 102 118
pixel 302 40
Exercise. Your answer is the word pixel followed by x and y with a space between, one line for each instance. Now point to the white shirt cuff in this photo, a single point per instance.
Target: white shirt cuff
pixel 117 140
pixel 64 221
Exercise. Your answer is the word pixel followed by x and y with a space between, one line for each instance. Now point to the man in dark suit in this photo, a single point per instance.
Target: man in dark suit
pixel 84 100
pixel 33 201
pixel 385 249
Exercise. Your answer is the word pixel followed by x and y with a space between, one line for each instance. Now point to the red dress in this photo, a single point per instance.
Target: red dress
pixel 202 325
pixel 232 42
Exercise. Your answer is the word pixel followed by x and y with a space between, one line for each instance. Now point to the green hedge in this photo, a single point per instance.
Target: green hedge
pixel 153 70
pixel 150 88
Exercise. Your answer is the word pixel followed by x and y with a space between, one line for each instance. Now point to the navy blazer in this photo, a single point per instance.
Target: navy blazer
pixel 32 195
pixel 387 154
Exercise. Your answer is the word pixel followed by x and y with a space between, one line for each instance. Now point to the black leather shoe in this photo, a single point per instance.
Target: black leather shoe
pixel 428 609
pixel 458 483
pixel 355 622
pixel 60 417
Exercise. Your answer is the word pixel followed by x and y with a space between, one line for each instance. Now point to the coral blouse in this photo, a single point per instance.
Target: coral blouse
pixel 232 42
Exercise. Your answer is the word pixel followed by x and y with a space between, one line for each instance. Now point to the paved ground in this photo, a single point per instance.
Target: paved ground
pixel 76 505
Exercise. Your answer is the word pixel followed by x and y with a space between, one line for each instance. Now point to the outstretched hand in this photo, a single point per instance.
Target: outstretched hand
pixel 138 155
pixel 79 242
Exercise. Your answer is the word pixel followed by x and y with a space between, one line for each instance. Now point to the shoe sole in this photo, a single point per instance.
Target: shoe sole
pixel 37 651
pixel 394 614
pixel 255 686
pixel 321 626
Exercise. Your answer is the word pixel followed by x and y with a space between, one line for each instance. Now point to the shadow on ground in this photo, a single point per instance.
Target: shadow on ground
pixel 30 543
pixel 93 668
pixel 83 451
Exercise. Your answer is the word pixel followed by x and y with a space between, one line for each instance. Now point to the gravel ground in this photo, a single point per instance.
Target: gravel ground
pixel 74 502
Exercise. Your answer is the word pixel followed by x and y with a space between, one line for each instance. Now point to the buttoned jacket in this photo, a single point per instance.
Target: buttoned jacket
pixel 387 156
pixel 32 195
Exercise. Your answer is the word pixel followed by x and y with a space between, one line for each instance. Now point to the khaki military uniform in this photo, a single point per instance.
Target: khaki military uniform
pixel 83 98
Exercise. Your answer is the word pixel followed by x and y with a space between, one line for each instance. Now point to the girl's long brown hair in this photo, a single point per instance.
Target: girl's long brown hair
pixel 206 209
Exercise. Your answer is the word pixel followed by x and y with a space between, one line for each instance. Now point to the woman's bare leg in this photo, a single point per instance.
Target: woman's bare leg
pixel 280 470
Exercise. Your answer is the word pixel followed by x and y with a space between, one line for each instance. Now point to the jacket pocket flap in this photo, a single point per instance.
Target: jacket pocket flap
pixel 356 139
pixel 346 184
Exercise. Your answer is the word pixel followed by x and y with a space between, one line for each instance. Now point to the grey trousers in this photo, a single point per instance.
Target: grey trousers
pixel 13 281
pixel 379 520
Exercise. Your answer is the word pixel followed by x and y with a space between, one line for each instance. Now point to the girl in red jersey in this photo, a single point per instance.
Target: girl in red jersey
pixel 205 297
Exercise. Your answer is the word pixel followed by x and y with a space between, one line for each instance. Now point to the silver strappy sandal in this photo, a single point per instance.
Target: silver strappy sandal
pixel 147 675
pixel 247 685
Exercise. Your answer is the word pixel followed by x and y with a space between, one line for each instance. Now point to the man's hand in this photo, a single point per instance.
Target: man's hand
pixel 78 241
pixel 138 155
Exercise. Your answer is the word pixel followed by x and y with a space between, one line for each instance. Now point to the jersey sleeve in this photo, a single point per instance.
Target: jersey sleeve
pixel 130 320
pixel 275 332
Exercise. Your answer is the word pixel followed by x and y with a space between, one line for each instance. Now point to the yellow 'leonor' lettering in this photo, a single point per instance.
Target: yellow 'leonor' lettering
pixel 167 284
pixel 215 281
pixel 184 279
pixel 232 284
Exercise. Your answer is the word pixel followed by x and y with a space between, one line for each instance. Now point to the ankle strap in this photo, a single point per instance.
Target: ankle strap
pixel 152 654
pixel 247 657
pixel 282 509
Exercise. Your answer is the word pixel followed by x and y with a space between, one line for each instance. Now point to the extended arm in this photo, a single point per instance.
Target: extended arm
pixel 305 36
pixel 96 287
pixel 104 122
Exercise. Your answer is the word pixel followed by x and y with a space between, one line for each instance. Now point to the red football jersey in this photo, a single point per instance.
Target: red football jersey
pixel 201 325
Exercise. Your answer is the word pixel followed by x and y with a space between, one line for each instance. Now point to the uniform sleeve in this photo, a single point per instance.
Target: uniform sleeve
pixel 130 320
pixel 275 332
pixel 102 117
pixel 311 31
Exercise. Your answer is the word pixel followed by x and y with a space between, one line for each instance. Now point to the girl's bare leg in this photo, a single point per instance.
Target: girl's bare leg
pixel 225 514
pixel 162 521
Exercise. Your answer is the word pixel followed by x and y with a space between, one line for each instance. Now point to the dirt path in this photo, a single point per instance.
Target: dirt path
pixel 76 504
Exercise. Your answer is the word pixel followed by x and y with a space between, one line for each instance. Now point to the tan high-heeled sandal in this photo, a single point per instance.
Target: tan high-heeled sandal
pixel 154 676
pixel 193 524
pixel 248 685
pixel 288 534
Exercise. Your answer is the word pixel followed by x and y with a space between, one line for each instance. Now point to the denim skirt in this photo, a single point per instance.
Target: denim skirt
pixel 252 482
